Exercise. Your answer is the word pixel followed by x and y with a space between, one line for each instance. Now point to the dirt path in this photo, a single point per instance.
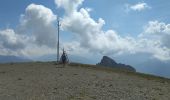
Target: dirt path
pixel 46 81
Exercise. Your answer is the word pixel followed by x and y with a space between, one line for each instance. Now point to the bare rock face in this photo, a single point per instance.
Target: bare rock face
pixel 108 62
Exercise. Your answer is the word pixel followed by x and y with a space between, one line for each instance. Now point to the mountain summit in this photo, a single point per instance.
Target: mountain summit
pixel 108 62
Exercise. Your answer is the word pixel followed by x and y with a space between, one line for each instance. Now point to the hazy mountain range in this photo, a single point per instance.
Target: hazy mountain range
pixel 141 64
pixel 72 58
pixel 144 64
pixel 9 59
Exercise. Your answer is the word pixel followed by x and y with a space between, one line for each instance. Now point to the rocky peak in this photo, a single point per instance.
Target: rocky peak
pixel 108 62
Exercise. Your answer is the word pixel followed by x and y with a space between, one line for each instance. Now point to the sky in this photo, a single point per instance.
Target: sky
pixel 89 28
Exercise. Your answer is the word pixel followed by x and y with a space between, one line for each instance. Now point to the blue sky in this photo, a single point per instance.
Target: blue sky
pixel 119 26
pixel 112 11
pixel 11 10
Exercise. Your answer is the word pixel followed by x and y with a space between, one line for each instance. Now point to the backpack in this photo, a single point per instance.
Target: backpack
pixel 63 57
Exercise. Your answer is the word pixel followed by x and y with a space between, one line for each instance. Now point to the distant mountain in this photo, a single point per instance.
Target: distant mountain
pixel 72 58
pixel 83 60
pixel 49 57
pixel 8 59
pixel 108 62
pixel 155 67
pixel 145 64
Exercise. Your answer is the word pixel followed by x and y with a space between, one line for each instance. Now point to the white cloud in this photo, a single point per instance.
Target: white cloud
pixel 12 43
pixel 32 50
pixel 89 9
pixel 90 35
pixel 39 21
pixel 74 48
pixel 69 5
pixel 137 7
pixel 36 34
pixel 158 31
pixel 157 28
pixel 89 32
pixel 11 40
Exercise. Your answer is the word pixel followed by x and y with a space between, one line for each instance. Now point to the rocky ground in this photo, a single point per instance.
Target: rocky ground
pixel 47 81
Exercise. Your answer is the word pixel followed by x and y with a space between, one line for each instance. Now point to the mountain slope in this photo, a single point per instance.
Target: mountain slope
pixel 72 58
pixel 143 63
pixel 8 59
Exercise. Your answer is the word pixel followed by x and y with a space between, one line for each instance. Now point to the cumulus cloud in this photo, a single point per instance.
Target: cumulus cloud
pixel 69 5
pixel 9 39
pixel 137 7
pixel 90 35
pixel 36 34
pixel 158 30
pixel 39 22
pixel 12 43
pixel 74 48
pixel 160 33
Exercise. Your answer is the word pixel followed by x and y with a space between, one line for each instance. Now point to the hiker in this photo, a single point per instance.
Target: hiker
pixel 64 58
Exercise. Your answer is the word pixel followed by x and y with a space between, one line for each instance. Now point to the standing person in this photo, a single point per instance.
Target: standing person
pixel 64 58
